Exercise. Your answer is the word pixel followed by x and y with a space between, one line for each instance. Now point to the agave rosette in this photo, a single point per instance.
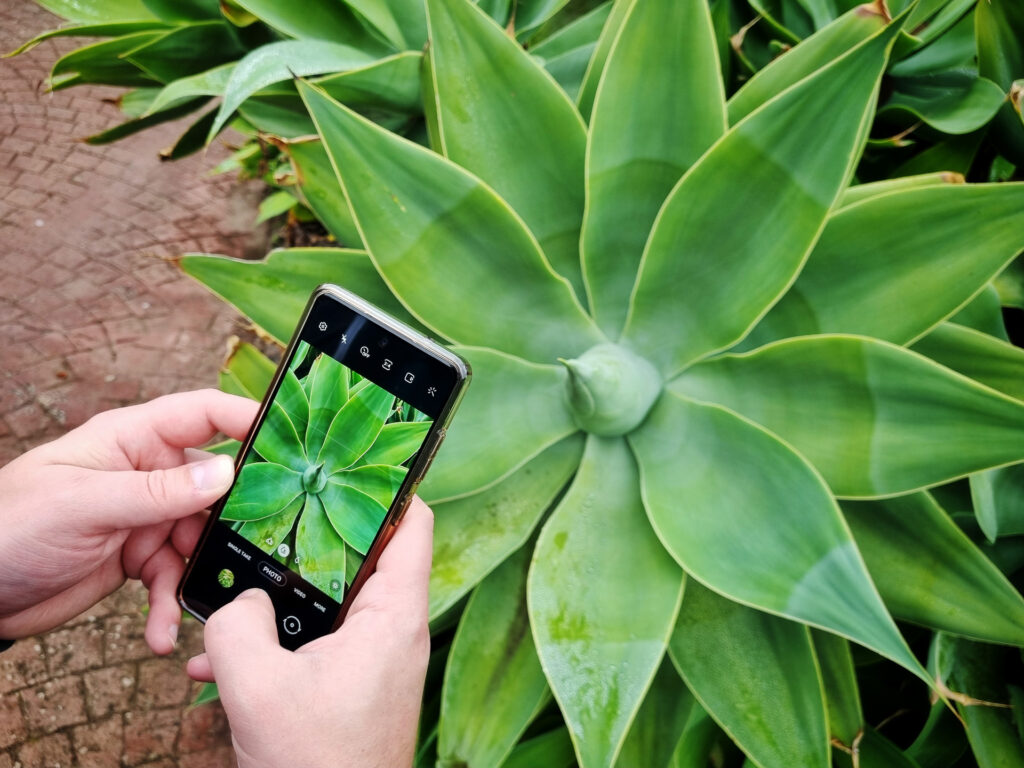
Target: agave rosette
pixel 692 337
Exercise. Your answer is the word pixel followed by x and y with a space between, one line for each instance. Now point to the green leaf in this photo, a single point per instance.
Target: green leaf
pixel 292 398
pixel 954 102
pixel 316 19
pixel 275 204
pixel 521 405
pixel 327 383
pixel 209 83
pixel 983 358
pixel 709 474
pixel 551 750
pixel 184 10
pixel 267 533
pixel 592 77
pixel 98 11
pixel 261 490
pixel 756 675
pixel 566 54
pixel 105 28
pixel 321 554
pixel 659 723
pixel 697 742
pixel 401 22
pixel 324 196
pixel 246 372
pixel 142 123
pixel 396 443
pixel 102 64
pixel 930 573
pixel 633 161
pixel 187 50
pixel 379 482
pixel 272 292
pixel 499 112
pixel 354 515
pixel 804 59
pixel 598 643
pixel 861 192
pixel 941 742
pixel 998 497
pixel 531 14
pixel 284 60
pixel 978 672
pixel 355 427
pixel 207 692
pixel 493 684
pixel 984 313
pixel 875 419
pixel 776 176
pixel 472 536
pixel 839 680
pixel 279 440
pixel 391 83
pixel 875 750
pixel 425 222
pixel 895 265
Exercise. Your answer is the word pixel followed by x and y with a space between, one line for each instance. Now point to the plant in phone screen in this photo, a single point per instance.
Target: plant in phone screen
pixel 324 469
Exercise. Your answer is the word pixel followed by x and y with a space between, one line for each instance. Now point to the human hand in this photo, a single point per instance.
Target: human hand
pixel 113 499
pixel 350 699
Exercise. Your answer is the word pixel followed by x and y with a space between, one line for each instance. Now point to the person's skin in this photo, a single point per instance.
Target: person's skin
pixel 350 699
pixel 122 497
pixel 115 498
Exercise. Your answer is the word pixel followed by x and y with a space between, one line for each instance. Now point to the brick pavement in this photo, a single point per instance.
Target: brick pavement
pixel 94 317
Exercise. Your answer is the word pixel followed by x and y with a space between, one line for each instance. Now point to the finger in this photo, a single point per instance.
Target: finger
pixel 241 638
pixel 187 531
pixel 199 669
pixel 403 571
pixel 193 455
pixel 183 420
pixel 129 499
pixel 142 544
pixel 161 574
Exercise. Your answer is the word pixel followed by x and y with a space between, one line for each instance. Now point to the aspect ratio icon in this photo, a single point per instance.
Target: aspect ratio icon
pixel 364 351
pixel 386 365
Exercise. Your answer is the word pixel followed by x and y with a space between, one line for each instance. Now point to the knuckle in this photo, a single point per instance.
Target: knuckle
pixel 158 485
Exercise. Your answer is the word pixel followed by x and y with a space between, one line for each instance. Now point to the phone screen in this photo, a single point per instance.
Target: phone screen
pixel 352 410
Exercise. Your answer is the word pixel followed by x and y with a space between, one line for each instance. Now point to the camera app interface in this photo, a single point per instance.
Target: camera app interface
pixel 349 417
pixel 324 470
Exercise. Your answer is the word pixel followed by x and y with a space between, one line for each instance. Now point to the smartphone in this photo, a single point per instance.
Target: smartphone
pixel 348 427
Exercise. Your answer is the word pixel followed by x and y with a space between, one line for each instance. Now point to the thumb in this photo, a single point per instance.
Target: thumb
pixel 129 499
pixel 241 638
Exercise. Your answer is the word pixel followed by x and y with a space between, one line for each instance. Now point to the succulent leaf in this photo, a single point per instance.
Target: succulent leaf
pixel 379 482
pixel 494 685
pixel 753 206
pixel 473 535
pixel 708 474
pixel 599 645
pixel 355 515
pixel 994 362
pixel 664 61
pixel 839 679
pixel 425 222
pixel 659 722
pixel 756 674
pixel 396 443
pixel 271 531
pixel 499 112
pixel 327 383
pixel 279 441
pixel 262 489
pixel 321 553
pixel 611 389
pixel 875 419
pixel 354 428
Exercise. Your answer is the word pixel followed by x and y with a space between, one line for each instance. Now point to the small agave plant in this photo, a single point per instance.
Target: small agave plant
pixel 708 442
pixel 319 482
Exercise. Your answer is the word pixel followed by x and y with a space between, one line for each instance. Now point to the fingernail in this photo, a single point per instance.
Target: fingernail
pixel 212 474
pixel 173 633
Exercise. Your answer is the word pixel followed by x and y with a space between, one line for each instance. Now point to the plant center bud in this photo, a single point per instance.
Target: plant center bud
pixel 611 389
pixel 314 479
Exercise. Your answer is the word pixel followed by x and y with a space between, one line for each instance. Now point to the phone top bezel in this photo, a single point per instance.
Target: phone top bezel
pixel 420 463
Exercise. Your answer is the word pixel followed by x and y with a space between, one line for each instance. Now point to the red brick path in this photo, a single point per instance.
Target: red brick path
pixel 92 317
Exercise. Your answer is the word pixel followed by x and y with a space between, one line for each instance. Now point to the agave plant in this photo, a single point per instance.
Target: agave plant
pixel 318 484
pixel 694 335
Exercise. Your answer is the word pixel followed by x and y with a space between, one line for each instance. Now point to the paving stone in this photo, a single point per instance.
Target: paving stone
pixel 53 751
pixel 54 704
pixel 75 649
pixel 99 745
pixel 6 761
pixel 219 757
pixel 125 640
pixel 22 665
pixel 108 690
pixel 149 735
pixel 12 723
pixel 203 728
pixel 162 683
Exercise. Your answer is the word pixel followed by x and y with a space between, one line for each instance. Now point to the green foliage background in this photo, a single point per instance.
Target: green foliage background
pixel 738 478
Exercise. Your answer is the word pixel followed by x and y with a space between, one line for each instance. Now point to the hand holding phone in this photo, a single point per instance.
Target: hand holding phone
pixel 349 425
pixel 347 700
